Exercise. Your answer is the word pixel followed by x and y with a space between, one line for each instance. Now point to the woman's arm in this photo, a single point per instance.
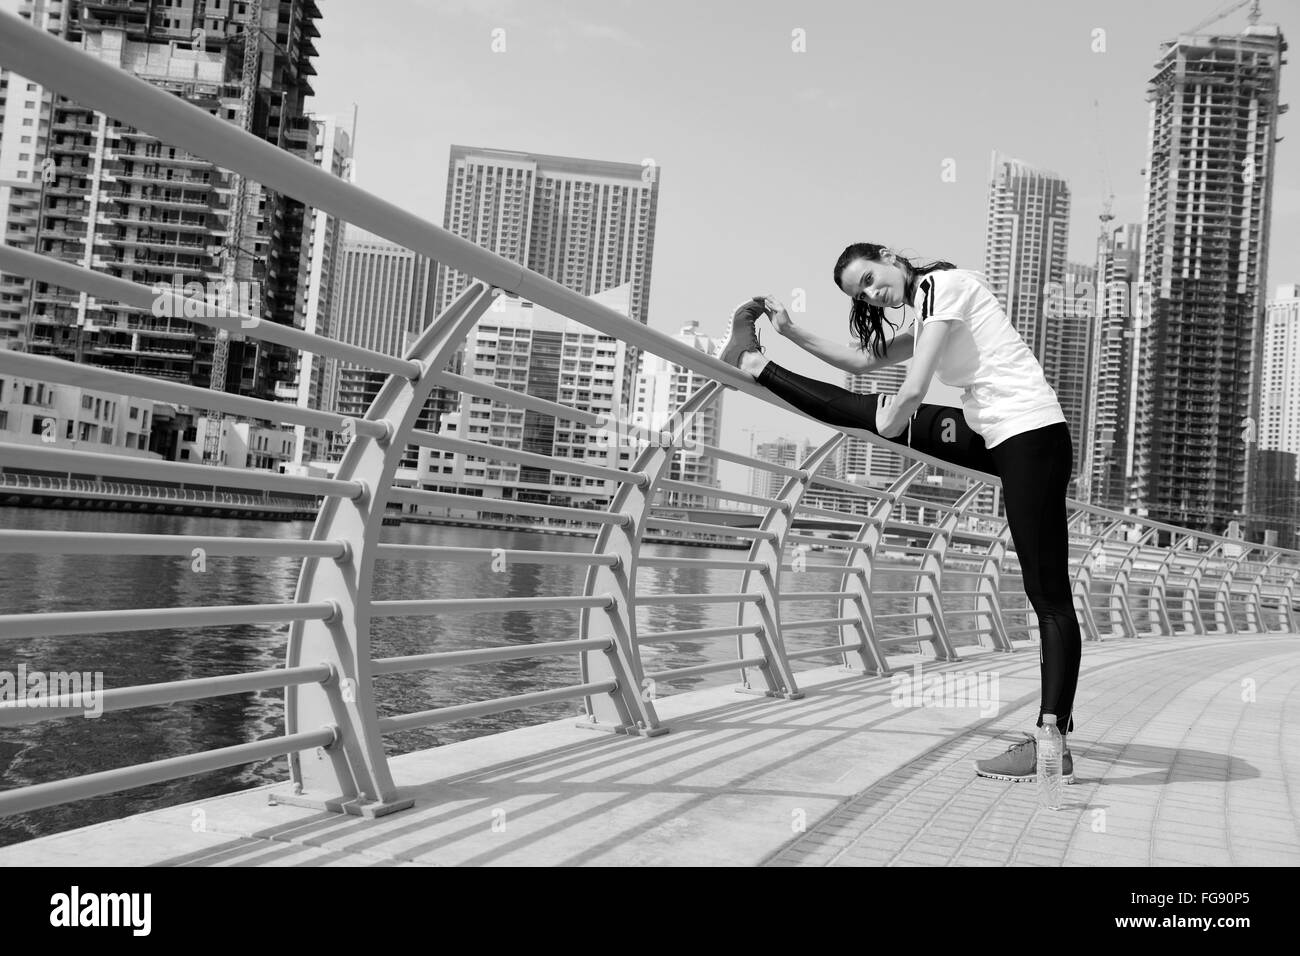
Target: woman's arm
pixel 850 358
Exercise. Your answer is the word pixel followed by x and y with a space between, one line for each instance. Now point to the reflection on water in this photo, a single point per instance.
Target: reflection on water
pixel 55 749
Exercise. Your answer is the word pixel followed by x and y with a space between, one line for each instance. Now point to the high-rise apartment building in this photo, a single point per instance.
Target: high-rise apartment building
pixel 1212 134
pixel 524 347
pixel 1118 299
pixel 662 387
pixel 1027 230
pixel 322 279
pixel 384 301
pixel 588 225
pixel 1279 414
pixel 118 200
pixel 1067 350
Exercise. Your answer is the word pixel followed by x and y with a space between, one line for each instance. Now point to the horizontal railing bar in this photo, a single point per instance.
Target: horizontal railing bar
pixel 498 605
pixel 416 496
pixel 713 451
pixel 152 695
pixel 832 568
pixel 88 462
pixel 63 623
pixel 443 659
pixel 659 522
pixel 837 650
pixel 900 593
pixel 659 599
pixel 180 545
pixel 911 526
pixel 49 369
pixel 41 795
pixel 840 485
pixel 679 672
pixel 511 397
pixel 904 616
pixel 672 484
pixel 499 705
pixel 570 466
pixel 57 272
pixel 816 622
pixel 854 520
pixel 844 543
pixel 793 596
pixel 438 552
pixel 655 637
pixel 720 563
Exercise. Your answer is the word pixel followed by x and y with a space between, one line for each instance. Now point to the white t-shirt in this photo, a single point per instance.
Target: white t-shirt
pixel 1004 391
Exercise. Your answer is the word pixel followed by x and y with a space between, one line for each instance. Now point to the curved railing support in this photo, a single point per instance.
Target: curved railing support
pixel 355 777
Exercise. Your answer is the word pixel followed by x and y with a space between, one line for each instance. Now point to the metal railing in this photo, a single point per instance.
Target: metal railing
pixel 930 541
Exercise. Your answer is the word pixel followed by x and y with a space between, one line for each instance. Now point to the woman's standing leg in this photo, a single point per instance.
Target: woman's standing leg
pixel 1035 469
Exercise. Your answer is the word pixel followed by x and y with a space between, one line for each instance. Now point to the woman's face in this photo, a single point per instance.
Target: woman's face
pixel 875 283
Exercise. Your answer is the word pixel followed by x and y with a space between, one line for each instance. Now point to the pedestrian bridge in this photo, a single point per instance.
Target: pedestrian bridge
pixel 844 750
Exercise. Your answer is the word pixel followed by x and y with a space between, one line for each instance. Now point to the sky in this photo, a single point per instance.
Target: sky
pixel 771 158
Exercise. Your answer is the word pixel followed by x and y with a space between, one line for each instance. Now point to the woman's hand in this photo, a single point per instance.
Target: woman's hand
pixel 886 427
pixel 781 320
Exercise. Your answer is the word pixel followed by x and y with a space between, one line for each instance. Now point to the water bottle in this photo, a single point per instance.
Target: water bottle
pixel 1049 766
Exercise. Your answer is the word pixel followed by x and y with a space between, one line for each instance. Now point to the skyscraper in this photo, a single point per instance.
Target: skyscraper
pixel 384 302
pixel 587 224
pixel 662 386
pixel 1279 418
pixel 1027 229
pixel 118 200
pixel 1067 351
pixel 1213 125
pixel 1105 437
pixel 322 279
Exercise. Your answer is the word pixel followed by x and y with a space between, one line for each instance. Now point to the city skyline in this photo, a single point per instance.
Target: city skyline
pixel 773 109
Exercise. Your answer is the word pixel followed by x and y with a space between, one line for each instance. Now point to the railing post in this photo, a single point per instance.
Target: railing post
pixel 1160 583
pixel 1223 596
pixel 354 775
pixel 1255 606
pixel 1119 596
pixel 631 709
pixel 1082 588
pixel 927 591
pixel 986 588
pixel 1153 610
pixel 778 677
pixel 1287 599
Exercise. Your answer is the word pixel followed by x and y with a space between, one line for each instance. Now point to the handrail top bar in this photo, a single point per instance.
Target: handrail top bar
pixel 57 64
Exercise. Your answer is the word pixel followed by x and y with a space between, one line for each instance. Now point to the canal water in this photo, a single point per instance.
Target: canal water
pixel 59 748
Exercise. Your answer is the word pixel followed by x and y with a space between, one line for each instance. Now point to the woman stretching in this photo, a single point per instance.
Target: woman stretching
pixel 1010 424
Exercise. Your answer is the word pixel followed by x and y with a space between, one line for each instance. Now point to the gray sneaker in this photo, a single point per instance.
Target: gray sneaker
pixel 742 337
pixel 1019 763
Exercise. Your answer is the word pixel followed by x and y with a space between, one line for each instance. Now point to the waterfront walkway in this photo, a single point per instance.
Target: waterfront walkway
pixel 1180 759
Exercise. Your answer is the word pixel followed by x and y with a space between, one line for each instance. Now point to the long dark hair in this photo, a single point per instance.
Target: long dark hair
pixel 867 321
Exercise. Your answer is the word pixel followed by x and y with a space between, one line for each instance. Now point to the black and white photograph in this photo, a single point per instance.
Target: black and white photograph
pixel 601 433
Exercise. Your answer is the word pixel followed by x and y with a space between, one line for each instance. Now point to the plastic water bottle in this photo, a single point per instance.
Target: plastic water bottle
pixel 1049 766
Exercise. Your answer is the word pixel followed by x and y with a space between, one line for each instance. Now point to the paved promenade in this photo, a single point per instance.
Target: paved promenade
pixel 1179 753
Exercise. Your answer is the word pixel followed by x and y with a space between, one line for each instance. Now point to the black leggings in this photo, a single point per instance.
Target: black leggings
pixel 1035 468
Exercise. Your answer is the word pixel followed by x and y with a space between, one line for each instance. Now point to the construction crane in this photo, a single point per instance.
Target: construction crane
pixel 235 229
pixel 1108 200
pixel 1253 17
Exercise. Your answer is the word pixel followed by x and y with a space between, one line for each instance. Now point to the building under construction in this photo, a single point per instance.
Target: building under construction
pixel 1213 129
pixel 119 201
